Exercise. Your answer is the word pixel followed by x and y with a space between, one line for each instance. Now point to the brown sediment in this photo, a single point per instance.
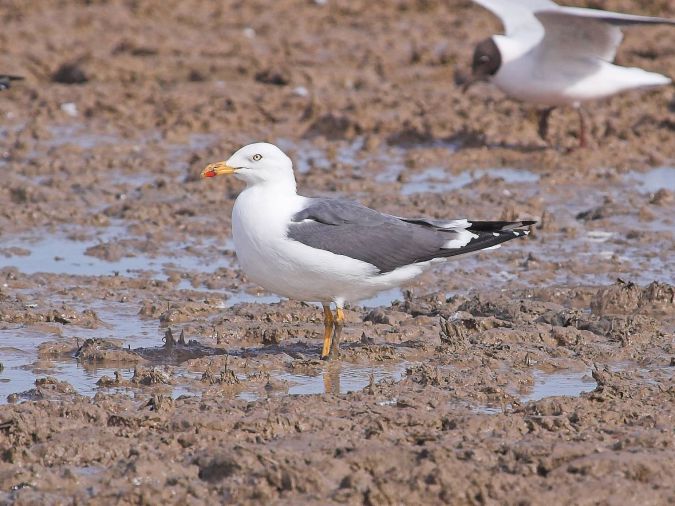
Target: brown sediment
pixel 451 392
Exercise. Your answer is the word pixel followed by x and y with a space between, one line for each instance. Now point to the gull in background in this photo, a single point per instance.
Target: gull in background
pixel 332 250
pixel 558 56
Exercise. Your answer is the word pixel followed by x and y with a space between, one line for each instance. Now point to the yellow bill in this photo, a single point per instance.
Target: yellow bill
pixel 217 169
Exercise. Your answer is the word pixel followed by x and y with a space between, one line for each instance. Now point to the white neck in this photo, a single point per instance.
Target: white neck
pixel 281 186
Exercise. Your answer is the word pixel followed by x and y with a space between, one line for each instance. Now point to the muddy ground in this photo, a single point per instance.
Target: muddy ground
pixel 140 366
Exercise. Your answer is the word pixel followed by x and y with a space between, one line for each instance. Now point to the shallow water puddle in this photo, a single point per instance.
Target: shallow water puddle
pixel 308 156
pixel 246 297
pixel 18 350
pixel 15 375
pixel 653 180
pixel 121 321
pixel 563 383
pixel 77 135
pixel 436 179
pixel 559 383
pixel 21 371
pixel 57 254
pixel 383 299
pixel 335 378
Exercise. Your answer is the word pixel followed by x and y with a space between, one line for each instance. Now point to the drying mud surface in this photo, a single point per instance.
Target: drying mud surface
pixel 140 366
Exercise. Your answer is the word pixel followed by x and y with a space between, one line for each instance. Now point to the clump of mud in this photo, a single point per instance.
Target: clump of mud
pixel 628 298
pixel 45 388
pixel 106 351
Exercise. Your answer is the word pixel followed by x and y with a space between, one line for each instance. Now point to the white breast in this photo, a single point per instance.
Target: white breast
pixel 289 268
pixel 259 220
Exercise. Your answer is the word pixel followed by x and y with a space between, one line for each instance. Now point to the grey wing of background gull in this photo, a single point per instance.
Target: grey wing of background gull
pixel 613 18
pixel 572 33
pixel 387 242
pixel 517 16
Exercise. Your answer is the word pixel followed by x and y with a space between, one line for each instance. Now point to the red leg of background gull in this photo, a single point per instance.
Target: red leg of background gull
pixel 543 122
pixel 582 128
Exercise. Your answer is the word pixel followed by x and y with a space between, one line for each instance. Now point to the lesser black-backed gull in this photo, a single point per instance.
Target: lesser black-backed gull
pixel 332 250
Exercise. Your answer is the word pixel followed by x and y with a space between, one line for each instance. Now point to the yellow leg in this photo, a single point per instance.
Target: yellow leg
pixel 328 323
pixel 339 322
pixel 339 317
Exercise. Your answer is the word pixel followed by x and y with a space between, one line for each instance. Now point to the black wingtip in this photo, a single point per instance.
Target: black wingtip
pixel 493 233
pixel 498 226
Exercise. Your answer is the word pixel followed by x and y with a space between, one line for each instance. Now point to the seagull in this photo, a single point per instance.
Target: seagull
pixel 558 56
pixel 332 250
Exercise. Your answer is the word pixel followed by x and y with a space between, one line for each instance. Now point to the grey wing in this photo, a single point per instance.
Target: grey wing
pixel 572 32
pixel 350 229
pixel 517 16
pixel 385 241
pixel 339 212
pixel 613 18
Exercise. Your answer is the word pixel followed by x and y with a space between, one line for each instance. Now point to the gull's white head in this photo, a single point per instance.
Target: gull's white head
pixel 256 163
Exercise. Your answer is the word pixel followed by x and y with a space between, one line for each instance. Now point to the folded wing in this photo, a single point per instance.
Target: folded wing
pixel 388 242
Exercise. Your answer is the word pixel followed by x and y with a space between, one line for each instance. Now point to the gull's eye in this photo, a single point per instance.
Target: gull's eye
pixel 257 157
pixel 484 58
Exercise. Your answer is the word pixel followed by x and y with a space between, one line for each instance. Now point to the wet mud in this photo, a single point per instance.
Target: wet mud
pixel 139 365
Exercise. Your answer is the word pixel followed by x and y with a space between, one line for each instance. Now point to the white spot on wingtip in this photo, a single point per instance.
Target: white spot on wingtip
pixel 463 238
pixel 495 234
